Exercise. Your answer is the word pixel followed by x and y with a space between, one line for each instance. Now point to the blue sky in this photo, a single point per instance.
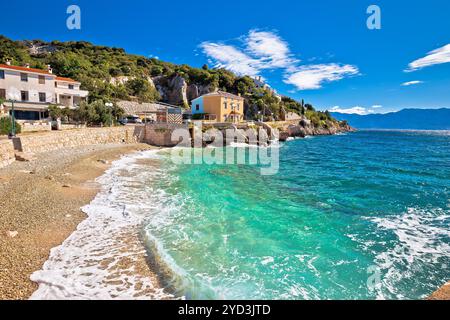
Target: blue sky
pixel 320 51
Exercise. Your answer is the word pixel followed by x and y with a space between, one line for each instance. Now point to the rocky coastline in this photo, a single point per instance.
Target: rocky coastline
pixel 304 128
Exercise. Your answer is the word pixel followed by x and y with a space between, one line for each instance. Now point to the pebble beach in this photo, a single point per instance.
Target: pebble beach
pixel 40 207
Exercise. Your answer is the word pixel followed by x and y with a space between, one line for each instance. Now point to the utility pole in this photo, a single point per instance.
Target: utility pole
pixel 12 134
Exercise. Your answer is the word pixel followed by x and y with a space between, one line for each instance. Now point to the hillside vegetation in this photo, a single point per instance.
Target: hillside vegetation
pixel 112 74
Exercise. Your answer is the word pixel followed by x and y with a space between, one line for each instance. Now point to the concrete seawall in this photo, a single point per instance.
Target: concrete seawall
pixel 56 140
pixel 34 143
pixel 160 134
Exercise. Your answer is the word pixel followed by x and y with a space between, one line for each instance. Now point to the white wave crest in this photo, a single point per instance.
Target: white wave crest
pixel 98 261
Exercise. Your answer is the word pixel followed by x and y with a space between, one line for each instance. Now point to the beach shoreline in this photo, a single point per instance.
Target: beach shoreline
pixel 53 188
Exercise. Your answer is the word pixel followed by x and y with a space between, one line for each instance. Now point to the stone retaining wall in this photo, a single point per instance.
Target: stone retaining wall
pixel 56 140
pixel 160 134
pixel 70 126
pixel 35 126
pixel 6 152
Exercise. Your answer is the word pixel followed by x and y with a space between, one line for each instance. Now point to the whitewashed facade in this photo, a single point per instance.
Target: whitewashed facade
pixel 33 90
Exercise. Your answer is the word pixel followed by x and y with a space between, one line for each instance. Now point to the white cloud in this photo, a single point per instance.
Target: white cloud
pixel 355 110
pixel 313 76
pixel 272 50
pixel 438 56
pixel 263 50
pixel 377 106
pixel 231 58
pixel 411 83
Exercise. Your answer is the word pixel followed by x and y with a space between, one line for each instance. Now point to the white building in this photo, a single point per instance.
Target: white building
pixel 33 90
pixel 261 84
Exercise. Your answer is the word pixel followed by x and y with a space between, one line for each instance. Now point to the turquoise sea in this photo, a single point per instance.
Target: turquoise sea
pixel 364 215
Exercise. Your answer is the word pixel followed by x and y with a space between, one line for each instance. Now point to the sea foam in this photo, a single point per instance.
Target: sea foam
pixel 98 261
pixel 421 239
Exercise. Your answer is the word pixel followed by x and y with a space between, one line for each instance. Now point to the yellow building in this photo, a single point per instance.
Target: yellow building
pixel 219 107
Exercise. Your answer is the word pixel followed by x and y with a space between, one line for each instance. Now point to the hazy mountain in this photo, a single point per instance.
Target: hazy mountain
pixel 414 119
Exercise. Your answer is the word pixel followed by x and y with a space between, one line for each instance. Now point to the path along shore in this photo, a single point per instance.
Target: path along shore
pixel 40 207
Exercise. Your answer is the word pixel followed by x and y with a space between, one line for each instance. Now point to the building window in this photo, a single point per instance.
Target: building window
pixel 24 77
pixel 56 84
pixel 2 74
pixel 2 94
pixel 24 95
pixel 225 105
pixel 26 115
pixel 42 97
pixel 41 79
pixel 71 86
pixel 197 107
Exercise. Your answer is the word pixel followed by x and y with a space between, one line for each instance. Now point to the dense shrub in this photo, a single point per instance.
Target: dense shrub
pixel 6 124
pixel 95 113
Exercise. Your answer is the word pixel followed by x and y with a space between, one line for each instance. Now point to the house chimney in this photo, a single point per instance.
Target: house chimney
pixel 49 69
pixel 8 62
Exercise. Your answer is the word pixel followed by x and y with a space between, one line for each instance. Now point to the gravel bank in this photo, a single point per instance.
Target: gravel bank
pixel 40 207
pixel 441 294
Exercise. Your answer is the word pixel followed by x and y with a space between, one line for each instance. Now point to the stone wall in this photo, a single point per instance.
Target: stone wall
pixel 6 152
pixel 160 134
pixel 35 126
pixel 56 140
pixel 71 126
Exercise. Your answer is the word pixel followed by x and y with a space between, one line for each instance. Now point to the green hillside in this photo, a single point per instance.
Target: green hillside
pixel 94 66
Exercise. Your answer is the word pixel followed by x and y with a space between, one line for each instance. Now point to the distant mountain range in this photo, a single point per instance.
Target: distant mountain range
pixel 413 119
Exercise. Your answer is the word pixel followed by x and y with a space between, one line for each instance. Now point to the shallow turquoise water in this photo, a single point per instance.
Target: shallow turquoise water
pixel 364 215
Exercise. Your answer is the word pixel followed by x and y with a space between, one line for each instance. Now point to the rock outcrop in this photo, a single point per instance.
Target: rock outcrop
pixel 175 90
pixel 196 90
pixel 119 80
pixel 305 128
pixel 36 48
pixel 172 90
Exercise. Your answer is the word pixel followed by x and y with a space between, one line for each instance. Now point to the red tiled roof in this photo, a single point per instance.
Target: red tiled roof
pixel 65 79
pixel 25 69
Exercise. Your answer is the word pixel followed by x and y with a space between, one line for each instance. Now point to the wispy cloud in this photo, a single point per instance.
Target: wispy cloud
pixel 314 76
pixel 377 106
pixel 411 83
pixel 271 49
pixel 264 50
pixel 355 110
pixel 438 56
pixel 231 58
